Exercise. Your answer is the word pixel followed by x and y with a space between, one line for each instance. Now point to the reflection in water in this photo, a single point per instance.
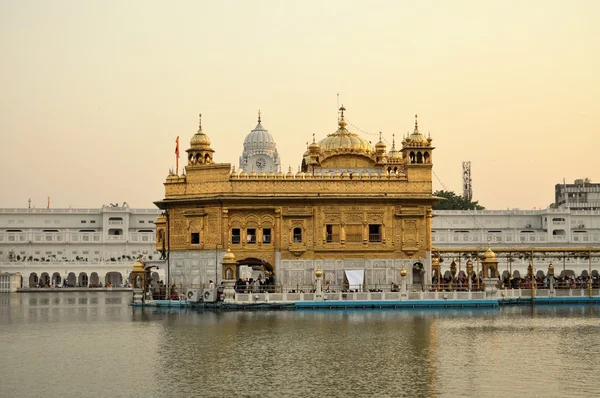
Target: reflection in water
pixel 95 343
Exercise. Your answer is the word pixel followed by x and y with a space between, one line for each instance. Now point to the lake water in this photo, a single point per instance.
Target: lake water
pixel 95 345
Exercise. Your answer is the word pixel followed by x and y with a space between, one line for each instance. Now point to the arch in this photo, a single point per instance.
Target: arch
pixel 33 280
pixel 56 279
pixel 419 157
pixel 83 280
pixel 113 278
pixel 297 235
pixel 256 264
pixel 198 158
pixel 396 170
pixel 207 159
pixel 94 279
pixel 44 279
pixel 71 279
pixel 426 157
pixel 411 157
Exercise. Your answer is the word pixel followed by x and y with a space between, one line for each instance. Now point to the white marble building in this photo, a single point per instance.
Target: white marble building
pixel 93 246
pixel 547 228
pixel 84 246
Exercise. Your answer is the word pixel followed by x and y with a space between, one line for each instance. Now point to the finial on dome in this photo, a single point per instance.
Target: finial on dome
pixel 394 140
pixel 380 136
pixel 313 137
pixel 416 123
pixel 342 123
pixel 259 115
pixel 199 122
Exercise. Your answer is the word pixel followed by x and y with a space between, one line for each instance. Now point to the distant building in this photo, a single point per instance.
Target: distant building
pixel 82 246
pixel 581 195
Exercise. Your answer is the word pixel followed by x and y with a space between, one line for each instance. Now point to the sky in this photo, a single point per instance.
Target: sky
pixel 94 93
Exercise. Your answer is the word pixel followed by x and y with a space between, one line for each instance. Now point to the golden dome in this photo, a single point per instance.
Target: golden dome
pixel 200 140
pixel 318 273
pixel 380 146
pixel 229 256
pixel 403 272
pixel 489 255
pixel 416 138
pixel 344 141
pixel 394 154
pixel 138 266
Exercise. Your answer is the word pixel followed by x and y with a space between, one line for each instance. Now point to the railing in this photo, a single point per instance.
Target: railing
pixel 374 238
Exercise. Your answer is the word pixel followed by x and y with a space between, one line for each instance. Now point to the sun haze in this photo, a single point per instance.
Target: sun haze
pixel 94 93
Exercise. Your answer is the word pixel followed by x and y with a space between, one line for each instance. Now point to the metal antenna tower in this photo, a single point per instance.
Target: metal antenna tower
pixel 467 183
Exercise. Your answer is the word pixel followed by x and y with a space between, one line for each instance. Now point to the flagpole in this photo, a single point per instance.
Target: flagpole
pixel 177 156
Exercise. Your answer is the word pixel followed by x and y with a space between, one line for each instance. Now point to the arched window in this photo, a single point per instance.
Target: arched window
pixel 411 156
pixel 426 157
pixel 297 235
pixel 419 157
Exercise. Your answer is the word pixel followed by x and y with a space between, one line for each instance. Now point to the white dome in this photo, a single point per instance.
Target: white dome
pixel 259 141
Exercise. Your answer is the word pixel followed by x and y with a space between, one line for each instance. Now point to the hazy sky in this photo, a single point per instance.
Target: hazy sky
pixel 94 93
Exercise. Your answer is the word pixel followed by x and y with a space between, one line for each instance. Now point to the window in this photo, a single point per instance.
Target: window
pixel 83 221
pixel 266 237
pixel 93 222
pixel 332 233
pixel 195 238
pixel 354 233
pixel 297 235
pixel 251 235
pixel 374 233
pixel 235 236
pixel 141 221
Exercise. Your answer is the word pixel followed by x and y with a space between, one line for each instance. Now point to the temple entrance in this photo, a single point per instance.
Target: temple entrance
pixel 260 274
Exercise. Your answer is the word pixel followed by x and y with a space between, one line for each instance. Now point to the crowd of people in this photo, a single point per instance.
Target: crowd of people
pixel 250 285
pixel 515 281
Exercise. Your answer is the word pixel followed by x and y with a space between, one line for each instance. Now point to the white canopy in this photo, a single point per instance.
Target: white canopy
pixel 356 279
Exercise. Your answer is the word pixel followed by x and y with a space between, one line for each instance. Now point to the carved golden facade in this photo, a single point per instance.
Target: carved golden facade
pixel 351 206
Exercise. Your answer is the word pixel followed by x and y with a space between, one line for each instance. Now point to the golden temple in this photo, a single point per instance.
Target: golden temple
pixel 350 206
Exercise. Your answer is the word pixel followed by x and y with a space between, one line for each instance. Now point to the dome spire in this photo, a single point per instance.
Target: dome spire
pixel 259 115
pixel 342 123
pixel 416 124
pixel 199 122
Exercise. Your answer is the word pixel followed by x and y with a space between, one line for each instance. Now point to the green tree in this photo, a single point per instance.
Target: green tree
pixel 454 202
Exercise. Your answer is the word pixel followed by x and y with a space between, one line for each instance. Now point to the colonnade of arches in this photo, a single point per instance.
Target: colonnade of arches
pixel 73 279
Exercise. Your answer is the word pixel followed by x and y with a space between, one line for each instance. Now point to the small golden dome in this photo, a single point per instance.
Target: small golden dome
pixel 200 140
pixel 243 174
pixel 289 174
pixel 138 266
pixel 365 175
pixel 228 256
pixel 380 146
pixel 252 173
pixel 435 261
pixel 280 174
pixel 489 254
pixel 337 175
pixel 271 174
pixel 262 174
pixel 318 273
pixel 403 272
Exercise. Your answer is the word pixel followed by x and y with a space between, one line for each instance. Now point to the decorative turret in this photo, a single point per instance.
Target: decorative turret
pixel 200 152
pixel 417 149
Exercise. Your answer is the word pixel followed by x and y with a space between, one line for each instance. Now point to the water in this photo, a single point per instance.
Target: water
pixel 94 345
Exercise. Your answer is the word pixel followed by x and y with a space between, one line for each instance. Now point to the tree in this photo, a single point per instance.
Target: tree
pixel 454 202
